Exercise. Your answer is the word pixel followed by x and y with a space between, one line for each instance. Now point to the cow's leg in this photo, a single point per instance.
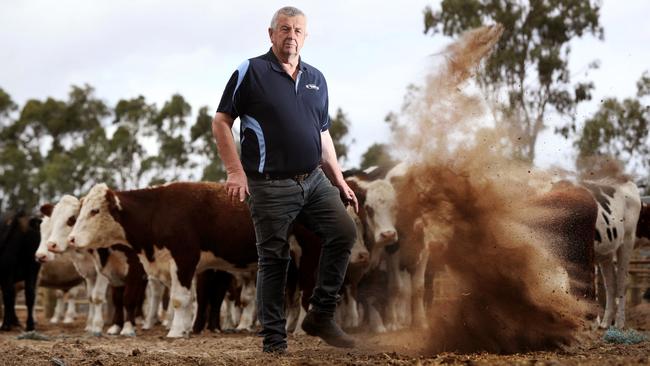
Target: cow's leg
pixel 30 297
pixel 90 285
pixel 231 315
pixel 406 301
pixel 301 316
pixel 349 313
pixel 417 288
pixel 623 256
pixel 70 299
pixel 203 281
pixel 374 318
pixel 59 308
pixel 292 310
pixel 9 300
pixel 98 298
pixel 248 304
pixel 180 300
pixel 134 291
pixel 155 291
pixel 168 317
pixel 118 315
pixel 395 290
pixel 353 309
pixel 219 288
pixel 607 270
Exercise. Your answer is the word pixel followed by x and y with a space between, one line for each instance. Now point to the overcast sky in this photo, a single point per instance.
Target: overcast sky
pixel 368 50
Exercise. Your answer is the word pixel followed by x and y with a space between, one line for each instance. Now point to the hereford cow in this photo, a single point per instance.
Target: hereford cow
pixel 19 238
pixel 377 212
pixel 619 205
pixel 177 230
pixel 116 266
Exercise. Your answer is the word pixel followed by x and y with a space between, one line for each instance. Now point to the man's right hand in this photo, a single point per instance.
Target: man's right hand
pixel 237 186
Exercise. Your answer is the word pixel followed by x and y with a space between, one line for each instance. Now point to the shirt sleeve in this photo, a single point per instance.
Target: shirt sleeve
pixel 325 115
pixel 231 98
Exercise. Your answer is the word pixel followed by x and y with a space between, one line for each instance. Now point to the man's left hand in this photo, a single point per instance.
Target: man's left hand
pixel 348 196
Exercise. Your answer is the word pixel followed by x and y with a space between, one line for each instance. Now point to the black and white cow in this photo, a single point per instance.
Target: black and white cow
pixel 619 205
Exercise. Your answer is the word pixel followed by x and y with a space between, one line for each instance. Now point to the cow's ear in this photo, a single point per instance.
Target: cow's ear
pixel 359 191
pixel 110 198
pixel 47 209
pixel 113 202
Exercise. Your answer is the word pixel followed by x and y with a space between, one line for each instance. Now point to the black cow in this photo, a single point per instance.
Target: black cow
pixel 19 239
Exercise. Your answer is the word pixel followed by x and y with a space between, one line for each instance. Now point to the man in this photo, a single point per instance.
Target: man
pixel 289 168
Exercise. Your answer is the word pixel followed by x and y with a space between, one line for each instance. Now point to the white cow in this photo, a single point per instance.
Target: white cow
pixel 619 205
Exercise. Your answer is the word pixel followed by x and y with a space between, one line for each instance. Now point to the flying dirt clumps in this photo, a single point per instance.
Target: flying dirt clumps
pixel 511 293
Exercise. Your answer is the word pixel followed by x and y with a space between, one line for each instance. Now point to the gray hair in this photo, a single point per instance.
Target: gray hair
pixel 289 11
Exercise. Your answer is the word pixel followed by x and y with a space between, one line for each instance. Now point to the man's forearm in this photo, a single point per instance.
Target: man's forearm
pixel 329 162
pixel 226 146
pixel 332 171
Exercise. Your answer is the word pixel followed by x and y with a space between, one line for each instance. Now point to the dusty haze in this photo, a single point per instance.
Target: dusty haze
pixel 480 217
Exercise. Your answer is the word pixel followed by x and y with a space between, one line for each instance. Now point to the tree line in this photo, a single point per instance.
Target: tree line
pixel 53 147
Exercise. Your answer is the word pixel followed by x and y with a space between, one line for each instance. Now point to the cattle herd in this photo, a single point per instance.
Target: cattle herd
pixel 184 255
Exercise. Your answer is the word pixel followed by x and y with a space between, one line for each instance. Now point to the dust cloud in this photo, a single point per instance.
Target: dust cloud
pixel 485 215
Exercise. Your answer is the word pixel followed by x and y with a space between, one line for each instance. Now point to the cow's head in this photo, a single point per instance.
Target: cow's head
pixel 643 225
pixel 359 253
pixel 377 200
pixel 42 254
pixel 61 218
pixel 96 226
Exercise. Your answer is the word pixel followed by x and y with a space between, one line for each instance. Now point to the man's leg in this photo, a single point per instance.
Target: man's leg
pixel 325 214
pixel 274 205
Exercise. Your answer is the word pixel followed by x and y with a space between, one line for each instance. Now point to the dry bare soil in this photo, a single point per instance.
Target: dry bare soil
pixel 69 345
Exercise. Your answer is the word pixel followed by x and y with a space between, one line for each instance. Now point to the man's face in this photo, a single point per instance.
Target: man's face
pixel 289 35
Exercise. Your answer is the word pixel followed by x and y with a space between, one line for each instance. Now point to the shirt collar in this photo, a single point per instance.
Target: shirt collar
pixel 275 63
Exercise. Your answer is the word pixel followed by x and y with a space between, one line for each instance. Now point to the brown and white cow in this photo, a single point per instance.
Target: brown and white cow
pixel 177 230
pixel 619 206
pixel 377 212
pixel 115 266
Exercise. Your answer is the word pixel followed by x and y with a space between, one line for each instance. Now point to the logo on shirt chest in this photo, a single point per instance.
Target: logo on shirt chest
pixel 312 87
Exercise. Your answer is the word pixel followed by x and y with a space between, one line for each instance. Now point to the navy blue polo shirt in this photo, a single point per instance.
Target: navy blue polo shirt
pixel 281 119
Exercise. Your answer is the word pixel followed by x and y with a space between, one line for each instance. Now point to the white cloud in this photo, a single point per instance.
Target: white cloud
pixel 368 51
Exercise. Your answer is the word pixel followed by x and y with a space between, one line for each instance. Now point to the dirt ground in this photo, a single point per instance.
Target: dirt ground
pixel 69 345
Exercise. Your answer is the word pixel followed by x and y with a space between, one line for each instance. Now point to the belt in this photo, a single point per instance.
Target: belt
pixel 298 177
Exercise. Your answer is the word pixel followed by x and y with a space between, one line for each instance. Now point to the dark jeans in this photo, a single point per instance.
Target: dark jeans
pixel 274 205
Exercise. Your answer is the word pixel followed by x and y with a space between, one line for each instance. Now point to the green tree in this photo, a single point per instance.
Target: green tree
pixel 530 61
pixel 7 106
pixel 126 153
pixel 54 147
pixel 205 146
pixel 376 155
pixel 339 130
pixel 619 129
pixel 173 155
pixel 78 155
